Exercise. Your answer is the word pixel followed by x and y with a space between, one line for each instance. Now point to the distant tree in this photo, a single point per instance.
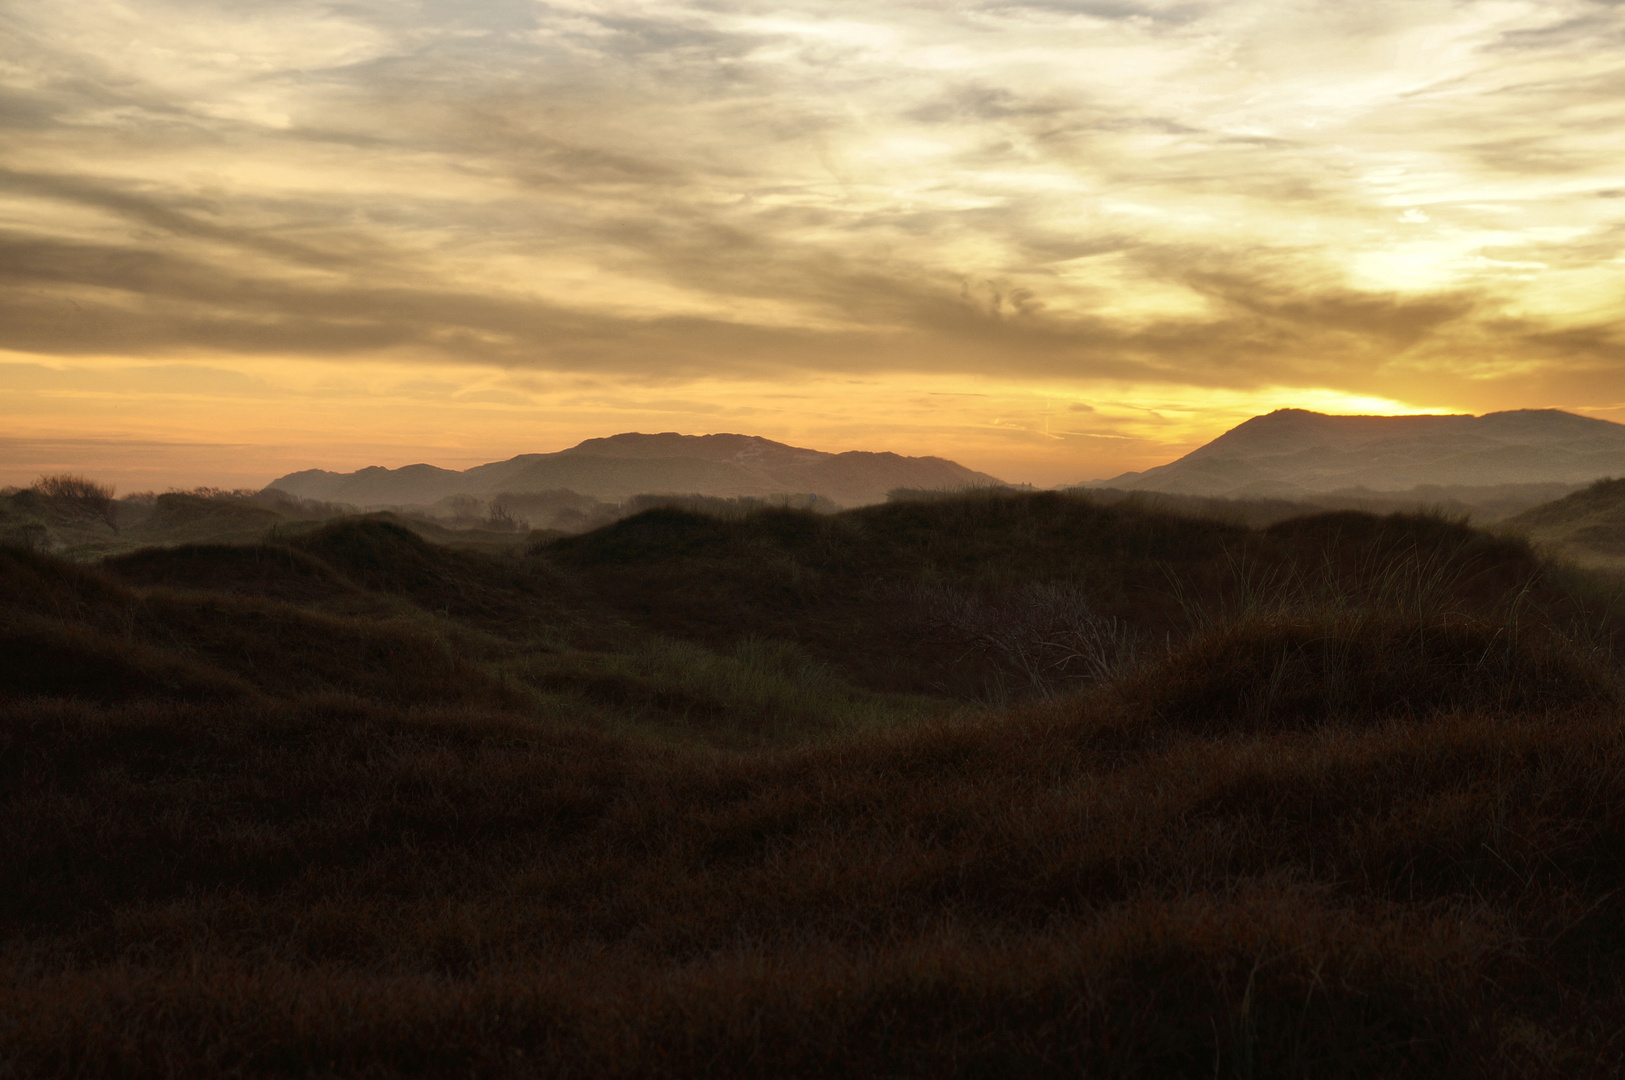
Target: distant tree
pixel 80 497
pixel 215 492
pixel 500 518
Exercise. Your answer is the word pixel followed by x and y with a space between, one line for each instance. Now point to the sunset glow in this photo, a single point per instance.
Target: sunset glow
pixel 1052 240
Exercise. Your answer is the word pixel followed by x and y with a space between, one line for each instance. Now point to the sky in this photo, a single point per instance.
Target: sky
pixel 1052 240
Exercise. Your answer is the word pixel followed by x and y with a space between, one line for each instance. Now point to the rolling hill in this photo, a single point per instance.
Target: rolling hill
pixel 1292 453
pixel 1587 526
pixel 994 784
pixel 621 466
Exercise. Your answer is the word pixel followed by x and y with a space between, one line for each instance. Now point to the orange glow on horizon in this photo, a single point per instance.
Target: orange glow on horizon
pixel 250 422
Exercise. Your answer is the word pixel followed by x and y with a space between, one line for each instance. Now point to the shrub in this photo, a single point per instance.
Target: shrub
pixel 1292 670
pixel 80 497
pixel 1046 633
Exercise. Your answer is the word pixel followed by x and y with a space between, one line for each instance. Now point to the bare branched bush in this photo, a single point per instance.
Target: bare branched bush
pixel 80 497
pixel 1046 632
pixel 1447 574
pixel 499 517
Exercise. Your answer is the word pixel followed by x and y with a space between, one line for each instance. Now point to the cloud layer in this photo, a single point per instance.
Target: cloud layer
pixel 1420 202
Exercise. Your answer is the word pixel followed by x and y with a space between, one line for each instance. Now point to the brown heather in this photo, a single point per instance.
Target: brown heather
pixel 703 797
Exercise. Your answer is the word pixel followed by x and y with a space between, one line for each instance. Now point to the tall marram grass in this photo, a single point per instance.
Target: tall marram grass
pixel 334 888
pixel 1354 807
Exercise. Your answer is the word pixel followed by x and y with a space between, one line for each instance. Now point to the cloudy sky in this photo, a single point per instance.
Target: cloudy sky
pixel 1053 239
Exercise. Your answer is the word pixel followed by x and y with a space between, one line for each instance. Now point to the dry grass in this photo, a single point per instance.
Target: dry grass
pixel 396 893
pixel 1361 814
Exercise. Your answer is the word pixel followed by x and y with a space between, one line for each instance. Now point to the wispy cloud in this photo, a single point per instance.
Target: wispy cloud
pixel 1418 199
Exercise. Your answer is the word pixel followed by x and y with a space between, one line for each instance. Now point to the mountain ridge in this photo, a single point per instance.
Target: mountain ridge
pixel 633 463
pixel 1295 452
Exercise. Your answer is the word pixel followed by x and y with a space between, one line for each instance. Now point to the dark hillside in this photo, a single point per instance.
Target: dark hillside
pixel 60 617
pixel 470 893
pixel 1341 797
pixel 838 584
pixel 355 565
pixel 938 580
pixel 183 518
pixel 276 572
pixel 1482 503
pixel 385 557
pixel 1588 526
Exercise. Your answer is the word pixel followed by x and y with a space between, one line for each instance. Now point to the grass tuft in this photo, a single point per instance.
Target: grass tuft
pixel 1272 672
pixel 724 795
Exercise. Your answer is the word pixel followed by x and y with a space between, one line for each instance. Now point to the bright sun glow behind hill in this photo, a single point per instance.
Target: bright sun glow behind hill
pixel 332 419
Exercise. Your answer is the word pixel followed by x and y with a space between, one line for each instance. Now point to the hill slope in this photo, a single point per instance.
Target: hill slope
pixel 1292 452
pixel 351 804
pixel 1588 526
pixel 620 466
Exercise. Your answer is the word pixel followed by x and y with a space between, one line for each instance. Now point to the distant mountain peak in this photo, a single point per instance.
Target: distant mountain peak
pixel 1294 452
pixel 616 467
pixel 722 446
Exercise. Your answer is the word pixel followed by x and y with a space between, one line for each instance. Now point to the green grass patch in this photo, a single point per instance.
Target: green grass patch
pixel 759 692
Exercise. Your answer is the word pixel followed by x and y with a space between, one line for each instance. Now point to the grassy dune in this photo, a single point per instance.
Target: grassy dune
pixel 1587 526
pixel 991 786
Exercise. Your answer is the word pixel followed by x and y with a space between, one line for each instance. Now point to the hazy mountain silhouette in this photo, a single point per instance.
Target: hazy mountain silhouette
pixel 620 466
pixel 1293 452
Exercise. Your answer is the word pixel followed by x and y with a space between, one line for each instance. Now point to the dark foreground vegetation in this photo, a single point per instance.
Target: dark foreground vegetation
pixel 995 786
